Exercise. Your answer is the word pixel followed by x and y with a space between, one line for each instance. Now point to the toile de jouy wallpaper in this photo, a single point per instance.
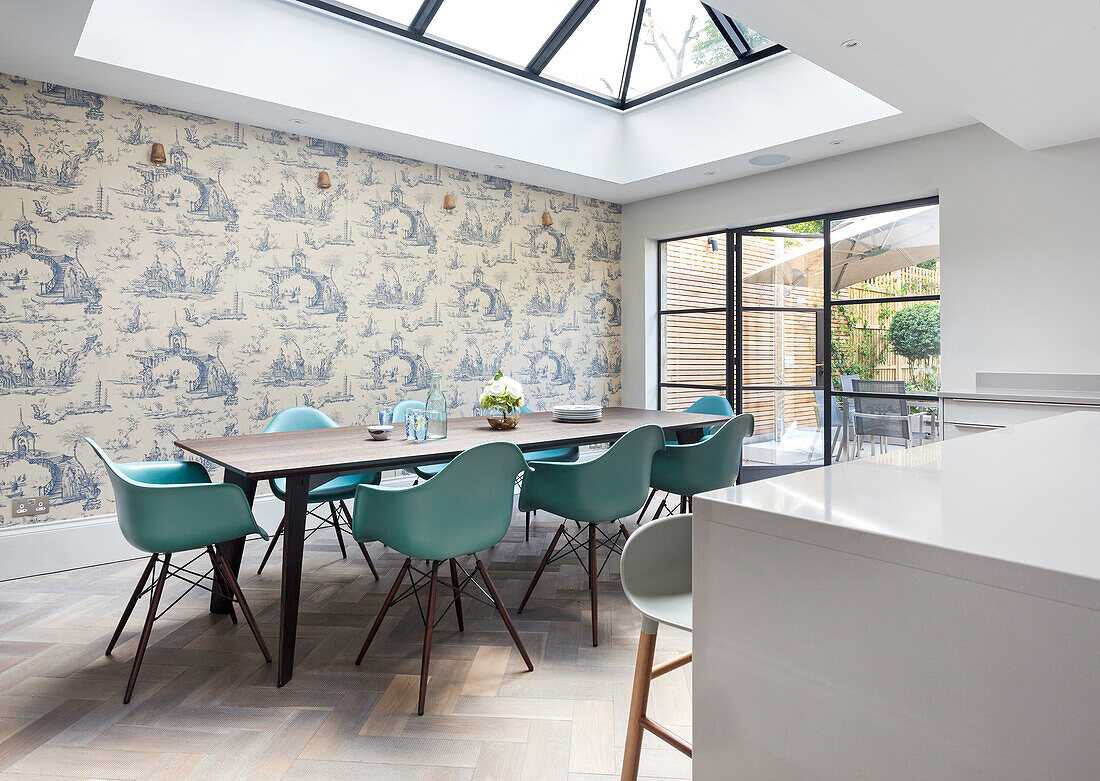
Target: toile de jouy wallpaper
pixel 141 304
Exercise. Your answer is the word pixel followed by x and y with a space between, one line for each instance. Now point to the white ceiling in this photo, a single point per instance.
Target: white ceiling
pixel 265 61
pixel 1029 71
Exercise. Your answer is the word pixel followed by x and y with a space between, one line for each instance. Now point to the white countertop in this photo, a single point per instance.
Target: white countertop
pixel 1016 508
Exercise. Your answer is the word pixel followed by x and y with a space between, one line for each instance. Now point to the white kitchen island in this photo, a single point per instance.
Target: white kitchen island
pixel 933 613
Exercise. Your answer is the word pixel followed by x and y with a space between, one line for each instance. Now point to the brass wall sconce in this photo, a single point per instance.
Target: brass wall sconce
pixel 448 202
pixel 547 220
pixel 323 182
pixel 156 156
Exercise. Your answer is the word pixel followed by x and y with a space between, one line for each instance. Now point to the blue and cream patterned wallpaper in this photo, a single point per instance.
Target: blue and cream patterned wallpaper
pixel 142 304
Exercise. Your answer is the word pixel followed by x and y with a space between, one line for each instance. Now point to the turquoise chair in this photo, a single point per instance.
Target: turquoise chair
pixel 466 508
pixel 557 455
pixel 604 490
pixel 334 493
pixel 164 508
pixel 656 574
pixel 714 462
pixel 706 405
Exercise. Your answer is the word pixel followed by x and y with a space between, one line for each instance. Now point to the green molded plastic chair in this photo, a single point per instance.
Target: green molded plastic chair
pixel 165 507
pixel 559 455
pixel 707 405
pixel 604 490
pixel 334 493
pixel 465 509
pixel 687 470
pixel 656 574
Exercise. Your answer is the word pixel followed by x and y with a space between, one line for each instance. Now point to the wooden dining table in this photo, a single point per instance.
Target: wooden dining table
pixel 307 459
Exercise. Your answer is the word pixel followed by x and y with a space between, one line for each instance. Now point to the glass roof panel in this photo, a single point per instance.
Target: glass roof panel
pixel 505 30
pixel 678 40
pixel 594 56
pixel 756 40
pixel 400 11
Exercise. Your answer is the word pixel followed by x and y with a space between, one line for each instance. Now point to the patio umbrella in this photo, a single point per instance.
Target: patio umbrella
pixel 865 248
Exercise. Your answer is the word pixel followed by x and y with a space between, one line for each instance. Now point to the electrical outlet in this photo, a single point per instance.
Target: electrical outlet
pixel 34 505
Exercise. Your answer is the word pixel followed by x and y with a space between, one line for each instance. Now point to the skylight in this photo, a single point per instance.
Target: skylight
pixel 617 52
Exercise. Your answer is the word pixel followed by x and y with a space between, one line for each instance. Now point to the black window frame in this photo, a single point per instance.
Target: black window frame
pixel 418 31
pixel 735 309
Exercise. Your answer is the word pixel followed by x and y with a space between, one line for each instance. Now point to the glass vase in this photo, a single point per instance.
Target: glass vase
pixel 436 407
pixel 503 419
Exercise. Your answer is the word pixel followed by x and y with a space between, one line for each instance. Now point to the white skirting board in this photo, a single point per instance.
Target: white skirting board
pixel 41 548
pixel 55 546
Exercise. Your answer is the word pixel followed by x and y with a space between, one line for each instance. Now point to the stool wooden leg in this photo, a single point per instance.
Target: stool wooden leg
pixel 639 700
pixel 593 584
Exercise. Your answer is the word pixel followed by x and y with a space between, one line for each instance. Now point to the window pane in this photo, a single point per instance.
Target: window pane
pixel 678 399
pixel 787 428
pixel 784 270
pixel 780 348
pixel 693 272
pixel 503 29
pixel 400 11
pixel 693 349
pixel 595 55
pixel 677 40
pixel 898 343
pixel 888 254
pixel 756 40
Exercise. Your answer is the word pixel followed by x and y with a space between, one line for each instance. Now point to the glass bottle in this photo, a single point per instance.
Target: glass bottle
pixel 436 407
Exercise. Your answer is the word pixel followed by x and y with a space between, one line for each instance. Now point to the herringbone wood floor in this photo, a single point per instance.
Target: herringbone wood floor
pixel 206 705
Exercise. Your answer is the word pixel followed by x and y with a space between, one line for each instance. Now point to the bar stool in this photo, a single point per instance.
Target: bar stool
pixel 656 575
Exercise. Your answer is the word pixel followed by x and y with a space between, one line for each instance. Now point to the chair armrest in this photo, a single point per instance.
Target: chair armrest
pixel 187 516
pixel 165 472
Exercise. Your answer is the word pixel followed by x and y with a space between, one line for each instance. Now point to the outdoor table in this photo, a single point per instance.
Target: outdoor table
pixel 307 459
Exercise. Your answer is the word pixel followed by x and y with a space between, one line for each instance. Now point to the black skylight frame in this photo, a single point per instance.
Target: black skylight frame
pixel 422 19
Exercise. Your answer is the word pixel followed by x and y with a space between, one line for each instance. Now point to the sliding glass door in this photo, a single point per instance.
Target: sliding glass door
pixel 826 330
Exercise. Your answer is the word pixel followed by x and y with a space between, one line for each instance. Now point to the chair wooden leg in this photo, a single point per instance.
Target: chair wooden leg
pixel 663 505
pixel 652 493
pixel 385 607
pixel 458 595
pixel 339 531
pixel 130 605
pixel 154 603
pixel 683 505
pixel 527 523
pixel 428 627
pixel 216 576
pixel 593 584
pixel 227 575
pixel 622 528
pixel 639 700
pixel 362 547
pixel 542 565
pixel 504 614
pixel 271 545
pixel 370 562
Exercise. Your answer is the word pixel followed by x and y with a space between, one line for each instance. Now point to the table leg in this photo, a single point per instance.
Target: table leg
pixel 297 492
pixel 232 550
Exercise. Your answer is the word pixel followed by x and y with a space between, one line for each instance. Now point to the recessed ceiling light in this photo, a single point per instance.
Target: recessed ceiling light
pixel 708 173
pixel 851 43
pixel 836 142
pixel 296 121
pixel 769 159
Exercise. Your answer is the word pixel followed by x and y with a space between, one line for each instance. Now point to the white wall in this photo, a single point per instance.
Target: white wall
pixel 1021 255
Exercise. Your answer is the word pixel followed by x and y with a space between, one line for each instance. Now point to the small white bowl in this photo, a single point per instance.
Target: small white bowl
pixel 379 432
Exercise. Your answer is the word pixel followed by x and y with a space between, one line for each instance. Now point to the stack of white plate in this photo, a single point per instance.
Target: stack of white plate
pixel 578 413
